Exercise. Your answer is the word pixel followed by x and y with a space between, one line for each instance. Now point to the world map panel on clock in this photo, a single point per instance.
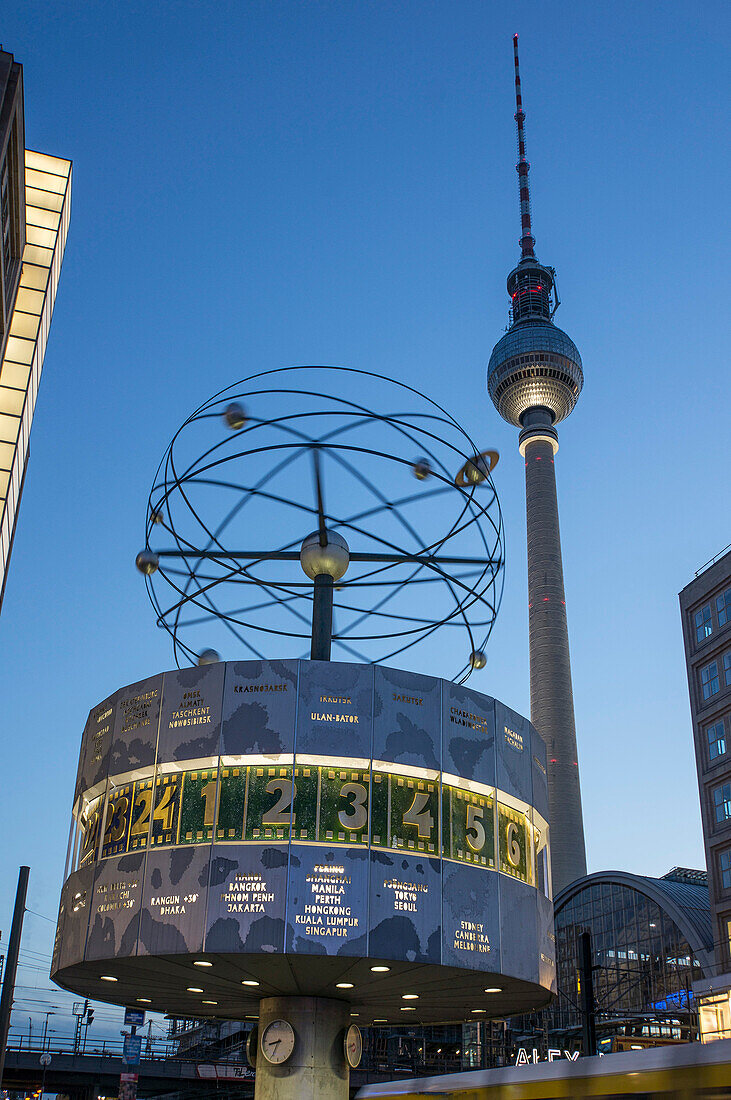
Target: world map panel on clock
pixel 190 715
pixel 97 743
pixel 406 723
pixel 327 907
pixel 115 907
pixel 335 709
pixel 174 901
pixel 259 706
pixel 470 918
pixel 247 898
pixel 514 769
pixel 468 732
pixel 134 742
pixel 405 907
pixel 75 903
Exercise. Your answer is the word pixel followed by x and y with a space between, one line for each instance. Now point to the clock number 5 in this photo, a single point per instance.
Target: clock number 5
pixel 419 814
pixel 475 829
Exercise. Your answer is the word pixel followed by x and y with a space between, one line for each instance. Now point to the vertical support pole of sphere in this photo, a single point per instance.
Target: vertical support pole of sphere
pixel 322 618
pixel 316 1069
pixel 551 693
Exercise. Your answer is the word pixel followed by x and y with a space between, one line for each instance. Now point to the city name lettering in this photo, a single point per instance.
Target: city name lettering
pixel 333 717
pixel 243 689
pixel 466 718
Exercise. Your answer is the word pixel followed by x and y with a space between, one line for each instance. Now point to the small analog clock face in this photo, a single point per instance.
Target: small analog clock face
pixel 251 1044
pixel 353 1045
pixel 277 1042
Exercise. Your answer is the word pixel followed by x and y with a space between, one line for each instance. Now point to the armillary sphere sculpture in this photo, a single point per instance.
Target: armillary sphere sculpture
pixel 271 478
pixel 313 845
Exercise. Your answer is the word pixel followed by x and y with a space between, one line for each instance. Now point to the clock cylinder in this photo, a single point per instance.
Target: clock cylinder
pixel 316 1067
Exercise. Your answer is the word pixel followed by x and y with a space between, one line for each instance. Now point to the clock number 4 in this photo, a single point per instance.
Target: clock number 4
pixel 419 814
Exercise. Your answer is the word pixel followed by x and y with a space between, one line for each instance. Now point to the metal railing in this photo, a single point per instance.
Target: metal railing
pixel 153 1049
pixel 713 560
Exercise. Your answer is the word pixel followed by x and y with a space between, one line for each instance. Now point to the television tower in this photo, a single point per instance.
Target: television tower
pixel 534 379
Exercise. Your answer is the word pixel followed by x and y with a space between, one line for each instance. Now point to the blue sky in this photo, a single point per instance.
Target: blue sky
pixel 265 183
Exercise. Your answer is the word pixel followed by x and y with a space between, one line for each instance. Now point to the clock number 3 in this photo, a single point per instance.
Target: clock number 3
pixel 356 815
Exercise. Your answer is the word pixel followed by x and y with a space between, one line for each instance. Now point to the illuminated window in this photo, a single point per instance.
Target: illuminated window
pixel 722 804
pixel 715 1017
pixel 727 668
pixel 723 607
pixel 703 624
pixel 710 682
pixel 716 740
pixel 725 864
pixel 5 214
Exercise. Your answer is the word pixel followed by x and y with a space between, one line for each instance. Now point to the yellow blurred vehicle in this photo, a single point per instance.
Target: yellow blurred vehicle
pixel 680 1070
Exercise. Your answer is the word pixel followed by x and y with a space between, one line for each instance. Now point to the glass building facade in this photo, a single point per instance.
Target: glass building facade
pixel 651 940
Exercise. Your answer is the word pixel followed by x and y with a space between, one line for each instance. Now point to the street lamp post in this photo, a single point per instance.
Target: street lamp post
pixel 45 1029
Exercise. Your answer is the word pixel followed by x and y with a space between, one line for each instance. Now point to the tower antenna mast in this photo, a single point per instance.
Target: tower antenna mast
pixel 527 240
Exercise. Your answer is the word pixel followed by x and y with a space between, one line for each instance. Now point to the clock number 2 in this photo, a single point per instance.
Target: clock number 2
pixel 281 811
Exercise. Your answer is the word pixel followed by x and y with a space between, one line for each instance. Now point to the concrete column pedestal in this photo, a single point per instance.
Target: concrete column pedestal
pixel 317 1068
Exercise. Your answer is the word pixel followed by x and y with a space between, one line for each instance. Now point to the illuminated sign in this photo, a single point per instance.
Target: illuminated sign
pixel 522 1058
pixel 340 802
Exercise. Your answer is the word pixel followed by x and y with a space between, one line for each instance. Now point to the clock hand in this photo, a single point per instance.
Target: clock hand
pixel 274 1042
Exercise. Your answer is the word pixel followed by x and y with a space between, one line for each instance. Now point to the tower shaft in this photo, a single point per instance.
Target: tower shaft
pixel 551 693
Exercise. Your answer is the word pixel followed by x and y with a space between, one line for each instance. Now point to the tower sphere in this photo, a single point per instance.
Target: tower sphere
pixel 332 559
pixel 209 657
pixel 534 364
pixel 147 562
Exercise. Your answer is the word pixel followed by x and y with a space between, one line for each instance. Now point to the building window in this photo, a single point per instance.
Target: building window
pixel 716 740
pixel 722 802
pixel 703 624
pixel 723 607
pixel 725 862
pixel 710 682
pixel 714 1017
pixel 727 668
